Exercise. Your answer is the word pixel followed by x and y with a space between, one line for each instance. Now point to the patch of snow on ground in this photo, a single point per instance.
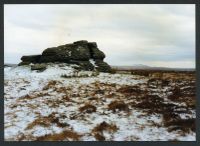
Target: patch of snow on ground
pixel 20 81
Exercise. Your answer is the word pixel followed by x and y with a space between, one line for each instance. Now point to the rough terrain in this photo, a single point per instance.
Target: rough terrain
pixel 61 104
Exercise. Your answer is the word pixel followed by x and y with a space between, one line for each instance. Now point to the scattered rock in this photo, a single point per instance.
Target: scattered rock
pixel 23 63
pixel 39 67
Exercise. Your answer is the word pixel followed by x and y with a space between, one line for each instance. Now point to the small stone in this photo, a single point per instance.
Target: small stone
pixel 39 67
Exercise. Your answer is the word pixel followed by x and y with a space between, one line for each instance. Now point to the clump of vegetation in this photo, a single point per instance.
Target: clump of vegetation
pixel 88 108
pixel 140 72
pixel 174 122
pixel 99 91
pixel 120 105
pixel 99 137
pixel 29 97
pixel 151 103
pixel 47 121
pixel 65 135
pixel 65 98
pixel 50 84
pixel 104 126
pixel 130 90
pixel 186 96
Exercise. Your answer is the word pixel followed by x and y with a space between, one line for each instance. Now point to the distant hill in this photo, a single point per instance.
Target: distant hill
pixel 133 67
pixel 145 67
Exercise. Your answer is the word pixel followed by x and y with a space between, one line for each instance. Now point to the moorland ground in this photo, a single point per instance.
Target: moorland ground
pixel 136 105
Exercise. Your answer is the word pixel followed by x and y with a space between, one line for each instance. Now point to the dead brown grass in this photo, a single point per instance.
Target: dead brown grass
pixel 151 103
pixel 104 126
pixel 40 121
pixel 50 85
pixel 99 137
pixel 65 135
pixel 130 90
pixel 175 123
pixel 120 105
pixel 65 98
pixel 33 96
pixel 186 96
pixel 46 122
pixel 88 108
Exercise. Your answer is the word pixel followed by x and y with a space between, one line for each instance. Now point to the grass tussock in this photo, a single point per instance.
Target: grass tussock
pixel 33 96
pixel 27 97
pixel 118 105
pixel 187 95
pixel 65 98
pixel 65 135
pixel 104 126
pixel 150 103
pixel 174 123
pixel 51 84
pixel 99 137
pixel 46 122
pixel 130 90
pixel 158 82
pixel 88 108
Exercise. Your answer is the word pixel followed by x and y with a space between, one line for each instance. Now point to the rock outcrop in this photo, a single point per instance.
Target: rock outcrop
pixel 83 53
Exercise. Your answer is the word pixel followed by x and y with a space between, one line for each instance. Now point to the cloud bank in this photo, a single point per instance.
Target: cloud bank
pixel 154 35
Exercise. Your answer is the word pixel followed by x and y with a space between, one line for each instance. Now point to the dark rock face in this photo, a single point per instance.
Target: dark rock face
pixel 102 66
pixel 97 54
pixel 31 58
pixel 79 53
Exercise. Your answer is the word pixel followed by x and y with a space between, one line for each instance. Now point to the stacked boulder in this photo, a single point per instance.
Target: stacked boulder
pixel 83 53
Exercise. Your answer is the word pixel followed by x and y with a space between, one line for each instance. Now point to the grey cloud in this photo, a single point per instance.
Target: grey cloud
pixel 128 34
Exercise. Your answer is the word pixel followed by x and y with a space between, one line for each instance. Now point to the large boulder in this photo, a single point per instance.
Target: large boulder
pixel 79 52
pixel 31 58
pixel 65 53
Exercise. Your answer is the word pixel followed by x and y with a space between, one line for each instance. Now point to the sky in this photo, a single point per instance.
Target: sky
pixel 129 34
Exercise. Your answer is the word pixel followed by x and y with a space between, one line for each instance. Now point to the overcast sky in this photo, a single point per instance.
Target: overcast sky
pixel 154 35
